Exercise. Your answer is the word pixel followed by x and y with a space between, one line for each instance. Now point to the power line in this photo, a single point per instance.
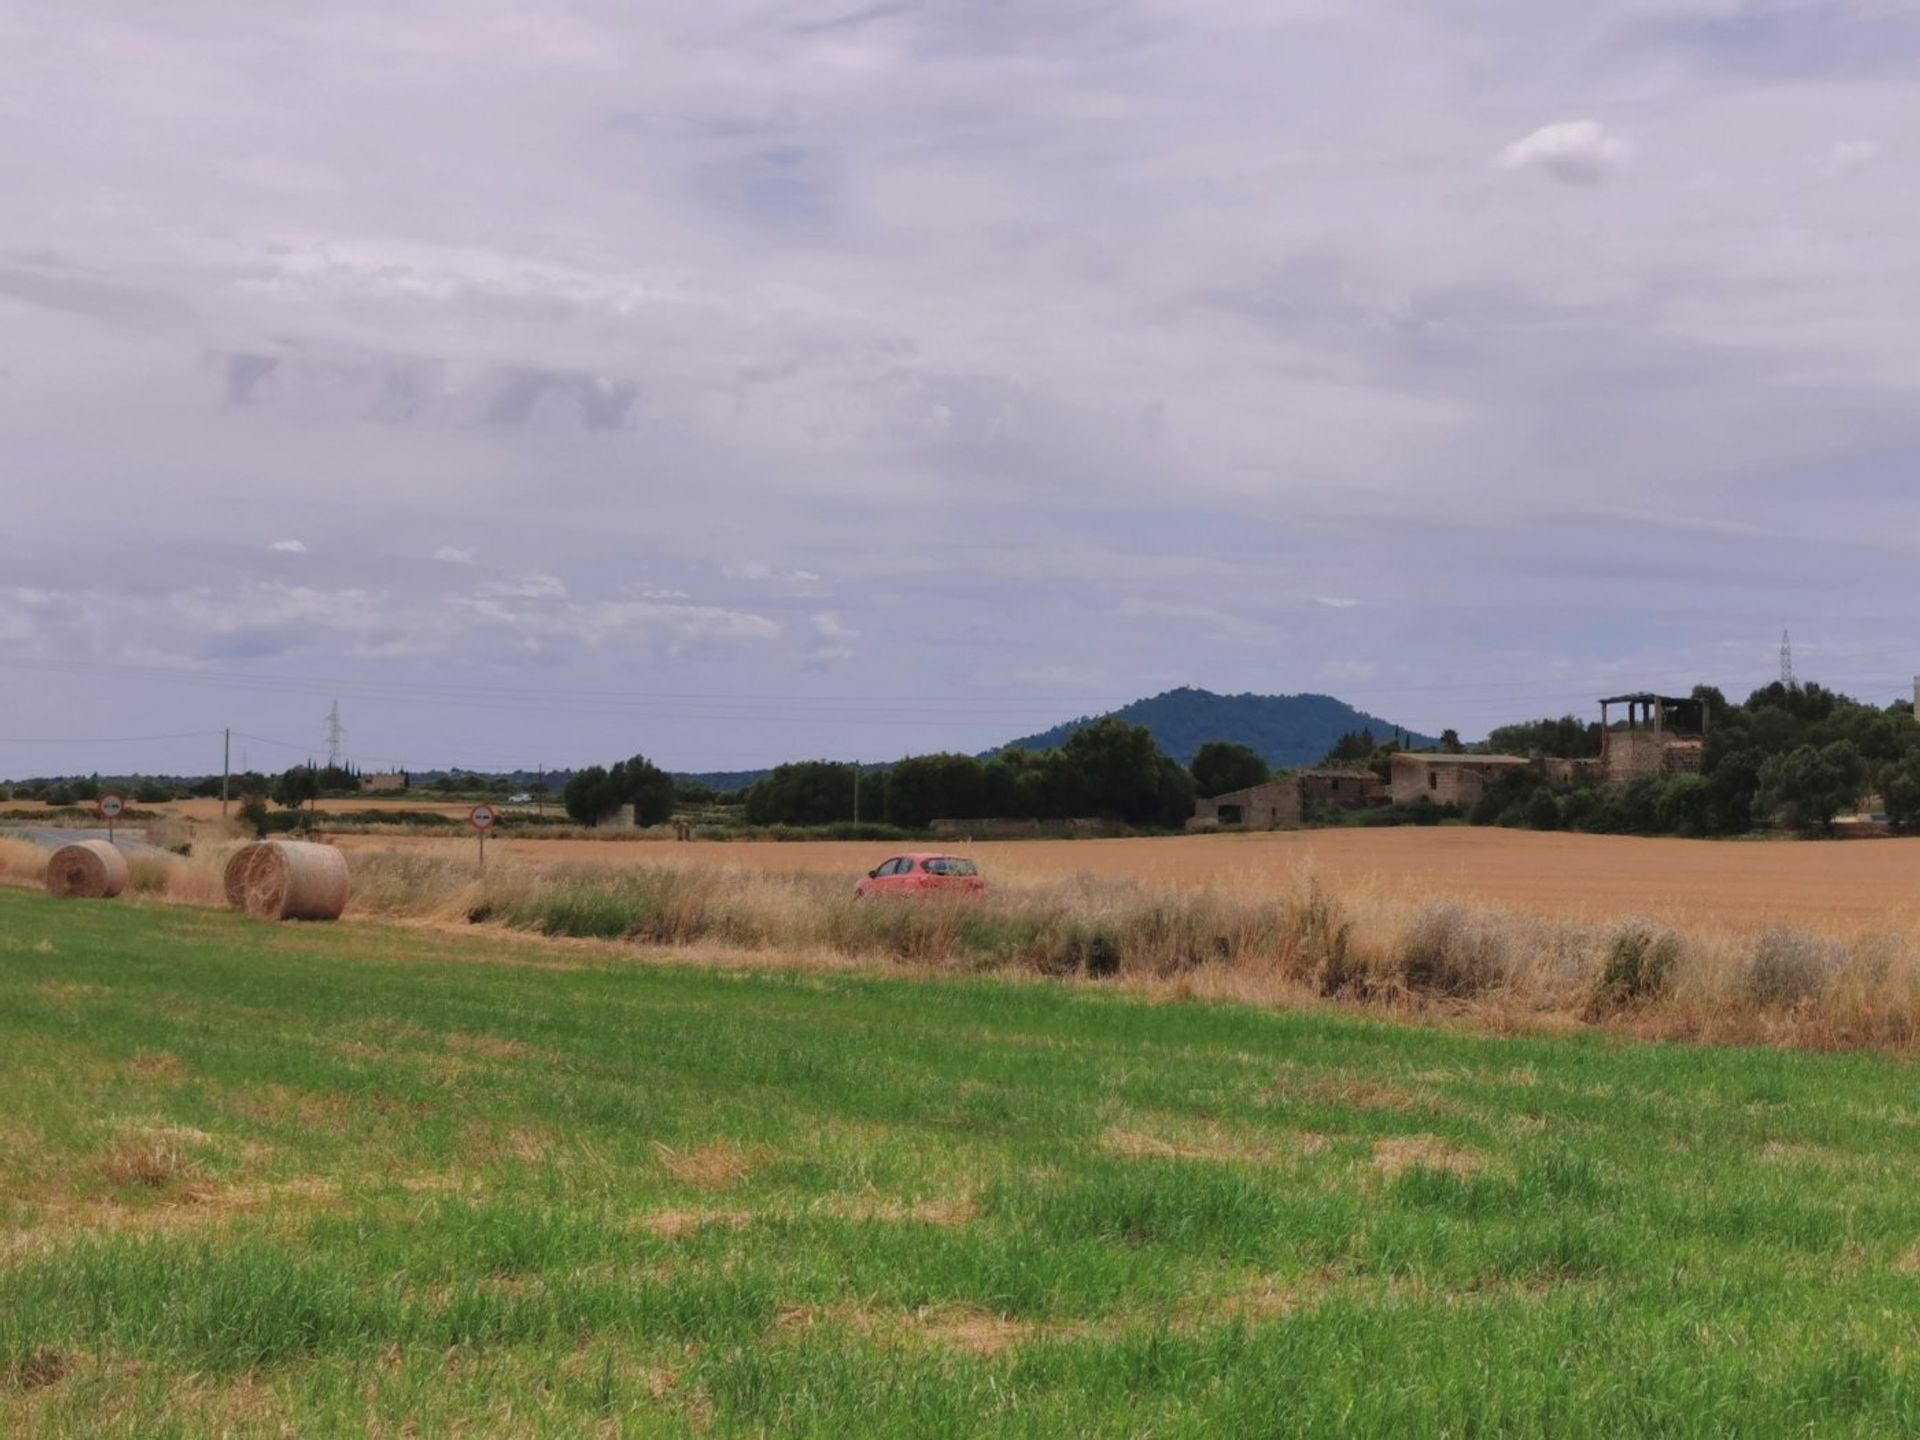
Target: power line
pixel 102 739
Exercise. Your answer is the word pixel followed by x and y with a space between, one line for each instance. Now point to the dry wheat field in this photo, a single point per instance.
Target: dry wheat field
pixel 1831 886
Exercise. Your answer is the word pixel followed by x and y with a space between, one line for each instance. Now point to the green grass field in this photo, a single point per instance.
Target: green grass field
pixel 336 1179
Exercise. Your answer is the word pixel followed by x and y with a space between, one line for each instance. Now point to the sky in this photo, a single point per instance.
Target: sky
pixel 553 380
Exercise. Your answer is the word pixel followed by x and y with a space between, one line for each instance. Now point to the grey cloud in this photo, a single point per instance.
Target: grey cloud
pixel 1096 338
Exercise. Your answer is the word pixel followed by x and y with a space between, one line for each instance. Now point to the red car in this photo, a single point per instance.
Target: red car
pixel 923 874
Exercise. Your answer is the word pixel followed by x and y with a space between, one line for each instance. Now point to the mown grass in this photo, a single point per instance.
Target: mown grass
pixel 328 1180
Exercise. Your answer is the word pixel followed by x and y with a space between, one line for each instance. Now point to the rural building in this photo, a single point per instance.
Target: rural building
pixel 1663 735
pixel 1565 774
pixel 382 784
pixel 1447 779
pixel 1258 807
pixel 1342 789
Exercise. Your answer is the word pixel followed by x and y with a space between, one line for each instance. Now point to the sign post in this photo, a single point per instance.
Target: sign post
pixel 109 806
pixel 483 818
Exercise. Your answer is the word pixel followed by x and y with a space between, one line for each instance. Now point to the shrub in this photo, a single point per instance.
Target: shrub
pixel 253 813
pixel 1785 969
pixel 148 873
pixel 1636 967
pixel 1318 942
pixel 1447 951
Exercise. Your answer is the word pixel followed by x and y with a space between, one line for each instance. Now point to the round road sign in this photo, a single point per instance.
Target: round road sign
pixel 110 805
pixel 483 817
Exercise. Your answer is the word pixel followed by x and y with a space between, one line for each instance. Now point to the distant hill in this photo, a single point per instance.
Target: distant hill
pixel 1287 730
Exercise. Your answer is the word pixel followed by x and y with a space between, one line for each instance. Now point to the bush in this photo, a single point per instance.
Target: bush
pixel 1543 811
pixel 1447 951
pixel 253 813
pixel 1785 969
pixel 1636 968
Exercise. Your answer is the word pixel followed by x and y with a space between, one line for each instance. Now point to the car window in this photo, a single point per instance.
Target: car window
pixel 884 868
pixel 962 867
pixel 935 866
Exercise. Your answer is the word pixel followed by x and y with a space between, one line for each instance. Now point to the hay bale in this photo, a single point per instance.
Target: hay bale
pixel 89 870
pixel 288 880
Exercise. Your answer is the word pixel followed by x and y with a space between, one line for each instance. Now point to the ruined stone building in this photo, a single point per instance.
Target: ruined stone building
pixel 1447 779
pixel 1259 807
pixel 1662 735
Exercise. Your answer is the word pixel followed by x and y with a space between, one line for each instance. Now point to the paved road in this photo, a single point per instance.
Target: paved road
pixel 54 836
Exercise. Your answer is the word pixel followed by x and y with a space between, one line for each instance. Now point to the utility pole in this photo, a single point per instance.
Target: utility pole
pixel 1786 659
pixel 334 735
pixel 226 767
pixel 856 792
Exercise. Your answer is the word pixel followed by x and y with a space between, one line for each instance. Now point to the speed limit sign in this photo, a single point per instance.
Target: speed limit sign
pixel 483 818
pixel 110 805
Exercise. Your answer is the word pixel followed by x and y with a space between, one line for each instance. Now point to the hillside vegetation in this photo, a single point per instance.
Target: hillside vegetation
pixel 1286 731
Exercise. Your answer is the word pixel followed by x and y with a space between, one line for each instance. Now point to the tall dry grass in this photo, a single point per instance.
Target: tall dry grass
pixel 1374 946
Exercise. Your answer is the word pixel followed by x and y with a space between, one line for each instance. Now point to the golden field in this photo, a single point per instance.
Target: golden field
pixel 1835 886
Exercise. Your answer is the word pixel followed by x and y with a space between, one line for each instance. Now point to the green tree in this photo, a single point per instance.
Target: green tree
pixel 923 788
pixel 589 797
pixel 1115 770
pixel 253 814
pixel 1355 747
pixel 592 794
pixel 812 792
pixel 1220 766
pixel 296 787
pixel 1450 742
pixel 1568 737
pixel 1807 787
pixel 1900 791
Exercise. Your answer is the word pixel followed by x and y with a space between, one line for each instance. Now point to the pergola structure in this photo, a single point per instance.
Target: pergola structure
pixel 1662 714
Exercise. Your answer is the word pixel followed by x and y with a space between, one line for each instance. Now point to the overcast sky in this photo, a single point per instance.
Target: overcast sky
pixel 736 381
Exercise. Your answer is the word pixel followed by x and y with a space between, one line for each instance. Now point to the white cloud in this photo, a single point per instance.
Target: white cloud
pixel 1191 614
pixel 833 627
pixel 527 585
pixel 289 547
pixel 1335 602
pixel 456 555
pixel 1578 152
pixel 1847 156
pixel 759 570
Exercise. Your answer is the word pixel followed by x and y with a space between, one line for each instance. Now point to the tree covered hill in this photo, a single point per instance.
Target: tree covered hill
pixel 1286 730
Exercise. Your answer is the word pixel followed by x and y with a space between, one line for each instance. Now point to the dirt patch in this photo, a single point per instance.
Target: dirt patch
pixel 1213 1144
pixel 1400 1153
pixel 156 1065
pixel 713 1166
pixel 952 1327
pixel 495 1047
pixel 680 1224
pixel 1371 1095
pixel 154 1158
pixel 45 1366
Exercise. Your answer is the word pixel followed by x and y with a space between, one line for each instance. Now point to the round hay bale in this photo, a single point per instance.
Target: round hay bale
pixel 287 880
pixel 88 870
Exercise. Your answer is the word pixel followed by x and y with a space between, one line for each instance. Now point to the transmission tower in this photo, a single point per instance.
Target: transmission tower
pixel 335 734
pixel 1786 659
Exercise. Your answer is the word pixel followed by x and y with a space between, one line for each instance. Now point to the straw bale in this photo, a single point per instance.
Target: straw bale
pixel 287 880
pixel 87 870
